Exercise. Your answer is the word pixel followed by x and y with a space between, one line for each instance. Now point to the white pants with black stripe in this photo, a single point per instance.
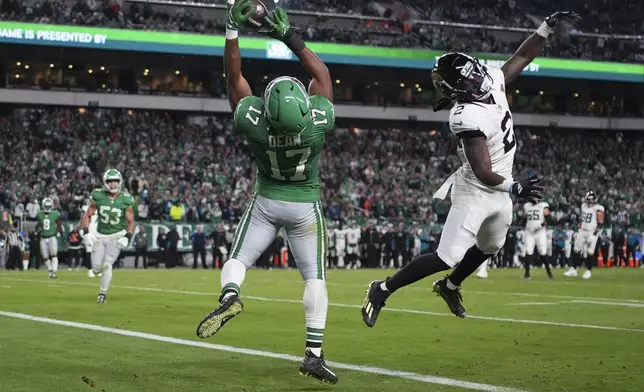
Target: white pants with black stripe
pixel 305 228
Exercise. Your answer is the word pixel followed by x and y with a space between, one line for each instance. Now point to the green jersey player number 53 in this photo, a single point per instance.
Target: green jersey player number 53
pixel 114 229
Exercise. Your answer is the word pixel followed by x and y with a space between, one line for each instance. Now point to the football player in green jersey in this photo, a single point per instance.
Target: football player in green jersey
pixel 114 228
pixel 50 224
pixel 285 129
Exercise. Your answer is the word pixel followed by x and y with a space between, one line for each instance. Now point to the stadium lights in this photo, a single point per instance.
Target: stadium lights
pixel 337 81
pixel 517 91
pixel 17 76
pixel 90 71
pixel 540 92
pixel 576 95
pixel 375 83
pixel 177 72
pixel 402 84
pixel 70 66
pixel 265 77
pixel 51 65
pixel 102 68
pixel 417 85
pixel 19 63
pixel 26 66
pixel 102 86
pixel 420 90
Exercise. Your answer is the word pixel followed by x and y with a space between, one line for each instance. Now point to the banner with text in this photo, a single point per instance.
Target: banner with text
pixel 260 48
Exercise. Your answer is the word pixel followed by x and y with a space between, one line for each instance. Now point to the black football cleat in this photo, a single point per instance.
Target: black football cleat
pixel 452 298
pixel 216 319
pixel 101 298
pixel 373 302
pixel 314 366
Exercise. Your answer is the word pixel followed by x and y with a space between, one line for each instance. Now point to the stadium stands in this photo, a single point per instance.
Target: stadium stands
pixel 355 23
pixel 366 173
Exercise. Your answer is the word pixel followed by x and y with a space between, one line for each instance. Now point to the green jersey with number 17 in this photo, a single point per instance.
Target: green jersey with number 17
pixel 287 165
pixel 111 211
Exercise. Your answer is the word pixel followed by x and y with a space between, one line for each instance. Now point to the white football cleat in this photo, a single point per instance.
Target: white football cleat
pixel 481 275
pixel 586 275
pixel 90 273
pixel 571 272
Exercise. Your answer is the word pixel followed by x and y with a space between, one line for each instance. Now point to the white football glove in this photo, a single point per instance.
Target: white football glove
pixel 123 242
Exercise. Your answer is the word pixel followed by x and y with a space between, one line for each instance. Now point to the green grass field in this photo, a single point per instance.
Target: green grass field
pixel 538 335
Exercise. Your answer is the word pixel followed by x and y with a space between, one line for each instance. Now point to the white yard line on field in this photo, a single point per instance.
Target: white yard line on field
pixel 51 283
pixel 533 303
pixel 629 304
pixel 429 379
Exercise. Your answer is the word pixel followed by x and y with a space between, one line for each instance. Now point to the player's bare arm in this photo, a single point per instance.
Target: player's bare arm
pixel 548 218
pixel 237 86
pixel 129 216
pixel 59 224
pixel 478 156
pixel 600 218
pixel 91 210
pixel 283 31
pixel 531 47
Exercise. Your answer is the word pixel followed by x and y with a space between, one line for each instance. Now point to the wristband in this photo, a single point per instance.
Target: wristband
pixel 128 236
pixel 293 41
pixel 544 30
pixel 85 230
pixel 231 34
pixel 505 186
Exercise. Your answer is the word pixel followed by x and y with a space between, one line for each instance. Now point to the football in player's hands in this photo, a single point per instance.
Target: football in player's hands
pixel 529 189
pixel 257 20
pixel 563 16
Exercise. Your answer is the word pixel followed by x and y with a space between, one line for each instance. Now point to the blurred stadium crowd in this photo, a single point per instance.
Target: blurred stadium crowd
pixel 396 30
pixel 202 167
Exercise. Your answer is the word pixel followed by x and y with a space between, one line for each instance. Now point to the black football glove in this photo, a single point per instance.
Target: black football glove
pixel 529 189
pixel 567 16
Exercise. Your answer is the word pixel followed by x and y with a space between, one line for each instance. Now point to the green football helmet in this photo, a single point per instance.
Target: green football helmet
pixel 109 177
pixel 287 106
